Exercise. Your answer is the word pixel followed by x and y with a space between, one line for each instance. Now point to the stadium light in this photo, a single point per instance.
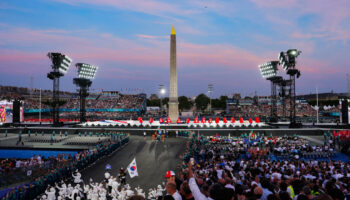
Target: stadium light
pixel 60 66
pixel 269 69
pixel 288 61
pixel 283 60
pixel 60 61
pixel 86 71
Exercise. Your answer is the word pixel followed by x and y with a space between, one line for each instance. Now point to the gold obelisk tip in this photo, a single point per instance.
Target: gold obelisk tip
pixel 173 31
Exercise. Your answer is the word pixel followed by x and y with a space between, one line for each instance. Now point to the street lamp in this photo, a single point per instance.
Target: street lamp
pixel 210 91
pixel 162 92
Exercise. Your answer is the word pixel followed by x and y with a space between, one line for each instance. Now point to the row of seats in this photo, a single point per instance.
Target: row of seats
pixel 45 139
pixel 77 140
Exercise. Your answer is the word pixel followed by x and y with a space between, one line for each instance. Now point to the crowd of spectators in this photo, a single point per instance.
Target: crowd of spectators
pixel 234 168
pixel 227 169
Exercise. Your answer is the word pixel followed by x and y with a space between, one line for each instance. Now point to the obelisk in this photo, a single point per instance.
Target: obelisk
pixel 173 100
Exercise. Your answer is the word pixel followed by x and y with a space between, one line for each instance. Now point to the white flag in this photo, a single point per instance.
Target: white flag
pixel 132 169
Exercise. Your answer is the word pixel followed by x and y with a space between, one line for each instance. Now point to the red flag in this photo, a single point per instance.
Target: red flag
pixel 210 120
pixel 241 120
pixel 217 120
pixel 250 120
pixel 233 120
pixel 161 120
pixel 151 120
pixel 196 120
pixel 225 120
pixel 140 120
pixel 203 120
pixel 257 120
pixel 168 120
pixel 188 120
pixel 178 121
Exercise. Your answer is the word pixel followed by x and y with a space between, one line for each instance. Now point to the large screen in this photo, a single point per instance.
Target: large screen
pixel 6 114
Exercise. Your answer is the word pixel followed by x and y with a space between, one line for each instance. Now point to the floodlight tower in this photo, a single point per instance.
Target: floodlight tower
pixel 287 60
pixel 60 65
pixel 86 72
pixel 283 94
pixel 269 71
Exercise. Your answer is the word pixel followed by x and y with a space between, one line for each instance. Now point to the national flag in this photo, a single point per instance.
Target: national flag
pixel 168 120
pixel 210 120
pixel 161 120
pixel 203 120
pixel 132 169
pixel 140 120
pixel 151 120
pixel 188 120
pixel 241 120
pixel 224 120
pixel 178 121
pixel 250 120
pixel 217 120
pixel 233 120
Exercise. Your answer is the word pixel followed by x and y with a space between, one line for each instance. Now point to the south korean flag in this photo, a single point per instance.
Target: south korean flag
pixel 132 169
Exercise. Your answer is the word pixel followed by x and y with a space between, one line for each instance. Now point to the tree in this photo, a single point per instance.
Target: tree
pixel 202 101
pixel 155 102
pixel 219 103
pixel 184 103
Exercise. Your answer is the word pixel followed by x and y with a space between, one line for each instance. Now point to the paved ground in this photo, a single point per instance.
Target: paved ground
pixel 153 160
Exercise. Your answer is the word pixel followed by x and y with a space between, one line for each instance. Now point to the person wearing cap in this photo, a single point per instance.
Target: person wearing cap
pixel 170 176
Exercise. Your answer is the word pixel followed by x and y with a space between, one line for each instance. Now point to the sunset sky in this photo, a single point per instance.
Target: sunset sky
pixel 218 42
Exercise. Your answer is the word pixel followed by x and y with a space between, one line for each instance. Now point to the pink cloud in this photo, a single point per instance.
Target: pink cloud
pixel 143 36
pixel 114 55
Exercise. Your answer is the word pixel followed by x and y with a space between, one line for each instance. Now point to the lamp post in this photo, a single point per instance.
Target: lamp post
pixel 210 91
pixel 162 91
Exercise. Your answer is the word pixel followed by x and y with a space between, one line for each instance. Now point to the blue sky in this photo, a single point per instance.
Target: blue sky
pixel 219 42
